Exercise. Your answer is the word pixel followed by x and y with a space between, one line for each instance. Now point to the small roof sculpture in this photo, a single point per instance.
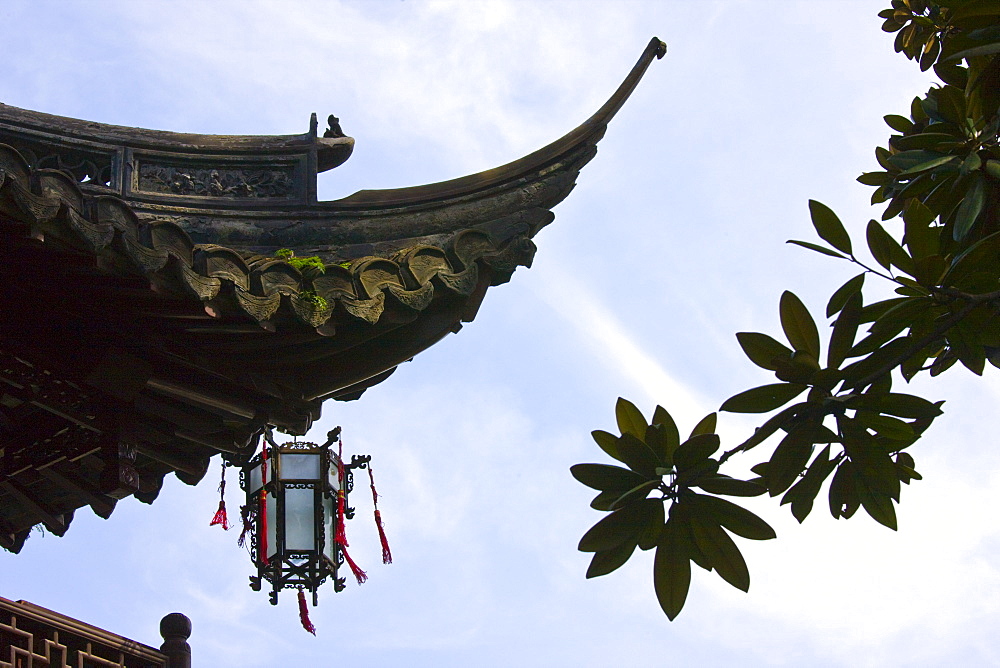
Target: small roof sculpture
pixel 167 296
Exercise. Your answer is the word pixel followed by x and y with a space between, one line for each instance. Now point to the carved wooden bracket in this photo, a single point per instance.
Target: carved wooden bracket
pixel 119 478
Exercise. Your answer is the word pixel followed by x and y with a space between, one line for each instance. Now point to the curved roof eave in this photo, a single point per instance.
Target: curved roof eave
pixel 589 131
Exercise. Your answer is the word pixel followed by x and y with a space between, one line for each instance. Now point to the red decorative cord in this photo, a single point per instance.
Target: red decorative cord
pixel 304 613
pixel 263 508
pixel 245 512
pixel 386 552
pixel 220 514
pixel 341 533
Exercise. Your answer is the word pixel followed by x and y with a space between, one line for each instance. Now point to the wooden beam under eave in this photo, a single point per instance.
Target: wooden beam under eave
pixel 101 504
pixel 328 376
pixel 8 538
pixel 53 522
pixel 193 465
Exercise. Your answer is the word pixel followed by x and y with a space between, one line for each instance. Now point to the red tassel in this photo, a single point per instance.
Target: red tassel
pixel 341 533
pixel 340 537
pixel 304 614
pixel 220 517
pixel 386 553
pixel 220 514
pixel 245 519
pixel 263 508
pixel 359 574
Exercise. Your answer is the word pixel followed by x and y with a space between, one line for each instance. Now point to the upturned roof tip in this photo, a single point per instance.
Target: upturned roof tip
pixel 588 133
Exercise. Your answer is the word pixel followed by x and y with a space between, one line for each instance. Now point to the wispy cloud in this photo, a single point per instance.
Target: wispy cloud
pixel 610 343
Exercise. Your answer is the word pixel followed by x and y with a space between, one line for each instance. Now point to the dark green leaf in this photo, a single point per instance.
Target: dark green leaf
pixel 874 311
pixel 952 73
pixel 692 475
pixel 705 426
pixel 651 534
pixel 973 8
pixel 669 429
pixel 788 461
pixel 858 374
pixel 984 50
pixel 607 442
pixel 920 238
pixel 736 518
pixel 630 419
pixel 928 164
pixel 804 492
pixel 604 500
pixel 982 253
pixel 907 159
pixel 637 493
pixel 845 330
pixel 829 227
pixel 721 552
pixel 626 524
pixel 879 243
pixel 672 568
pixel 839 298
pixel 964 342
pixel 800 369
pixel 610 560
pixel 971 163
pixel 763 399
pixel 798 325
pixel 876 504
pixel 695 450
pixel 875 178
pixel 775 422
pixel 638 456
pixel 659 444
pixel 970 208
pixel 762 349
pixel 924 140
pixel 899 123
pixel 905 465
pixel 844 500
pixel 816 247
pixel 899 317
pixel 907 406
pixel 888 427
pixel 723 484
pixel 606 478
pixel 880 195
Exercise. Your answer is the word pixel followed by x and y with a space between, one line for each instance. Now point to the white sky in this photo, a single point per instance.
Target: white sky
pixel 672 241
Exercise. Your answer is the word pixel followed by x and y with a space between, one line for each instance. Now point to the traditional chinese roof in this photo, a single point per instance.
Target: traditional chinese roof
pixel 150 326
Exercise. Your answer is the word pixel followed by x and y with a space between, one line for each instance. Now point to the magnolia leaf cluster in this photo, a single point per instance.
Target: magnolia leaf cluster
pixel 694 528
pixel 834 420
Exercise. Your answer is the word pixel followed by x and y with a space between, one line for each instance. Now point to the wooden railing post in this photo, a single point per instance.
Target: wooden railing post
pixel 176 629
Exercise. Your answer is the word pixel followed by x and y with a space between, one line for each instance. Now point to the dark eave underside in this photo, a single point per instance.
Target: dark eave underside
pixel 143 335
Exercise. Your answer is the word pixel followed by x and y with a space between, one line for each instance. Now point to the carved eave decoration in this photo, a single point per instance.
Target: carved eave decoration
pixel 148 326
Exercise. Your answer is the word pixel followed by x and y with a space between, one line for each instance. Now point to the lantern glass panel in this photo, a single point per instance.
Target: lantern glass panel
pixel 300 466
pixel 254 479
pixel 329 526
pixel 331 474
pixel 272 526
pixel 300 519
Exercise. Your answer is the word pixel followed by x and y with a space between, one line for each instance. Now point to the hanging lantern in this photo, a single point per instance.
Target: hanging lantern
pixel 293 494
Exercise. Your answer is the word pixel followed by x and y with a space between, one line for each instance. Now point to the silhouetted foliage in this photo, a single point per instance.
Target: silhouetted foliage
pixel 941 175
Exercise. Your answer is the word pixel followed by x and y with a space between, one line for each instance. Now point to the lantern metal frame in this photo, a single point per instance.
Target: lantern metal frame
pixel 306 563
